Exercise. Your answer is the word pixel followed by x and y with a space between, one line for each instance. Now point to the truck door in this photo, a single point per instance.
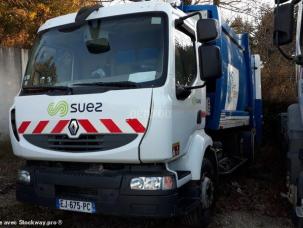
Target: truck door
pixel 186 106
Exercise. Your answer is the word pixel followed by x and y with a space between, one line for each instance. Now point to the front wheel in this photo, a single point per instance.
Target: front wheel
pixel 298 221
pixel 200 217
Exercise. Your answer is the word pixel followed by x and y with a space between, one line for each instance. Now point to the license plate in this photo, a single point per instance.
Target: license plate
pixel 74 205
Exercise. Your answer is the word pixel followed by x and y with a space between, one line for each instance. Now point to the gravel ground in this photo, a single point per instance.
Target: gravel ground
pixel 249 198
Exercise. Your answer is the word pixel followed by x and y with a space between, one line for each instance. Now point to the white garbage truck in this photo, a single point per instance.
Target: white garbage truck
pixel 135 109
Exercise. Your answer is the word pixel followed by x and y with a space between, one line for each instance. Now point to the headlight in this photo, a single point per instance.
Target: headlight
pixel 24 176
pixel 152 183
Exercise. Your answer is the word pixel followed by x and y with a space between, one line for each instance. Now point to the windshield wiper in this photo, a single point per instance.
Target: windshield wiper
pixel 123 84
pixel 47 88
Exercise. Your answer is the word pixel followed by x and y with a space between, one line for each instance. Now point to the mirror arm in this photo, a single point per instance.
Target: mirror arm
pixel 180 21
pixel 194 87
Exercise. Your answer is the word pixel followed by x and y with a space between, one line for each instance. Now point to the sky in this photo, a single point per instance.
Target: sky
pixel 256 6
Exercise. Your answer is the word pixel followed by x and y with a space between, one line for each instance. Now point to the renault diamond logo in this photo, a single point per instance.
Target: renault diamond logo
pixel 73 127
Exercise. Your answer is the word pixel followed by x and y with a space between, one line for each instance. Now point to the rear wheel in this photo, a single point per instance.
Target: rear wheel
pixel 248 145
pixel 299 223
pixel 200 217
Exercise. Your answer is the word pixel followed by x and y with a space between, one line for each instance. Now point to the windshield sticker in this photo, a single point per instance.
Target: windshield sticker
pixel 156 20
pixel 142 76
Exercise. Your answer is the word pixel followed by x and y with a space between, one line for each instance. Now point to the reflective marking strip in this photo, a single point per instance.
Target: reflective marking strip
pixel 136 125
pixel 88 127
pixel 111 126
pixel 24 125
pixel 60 126
pixel 40 127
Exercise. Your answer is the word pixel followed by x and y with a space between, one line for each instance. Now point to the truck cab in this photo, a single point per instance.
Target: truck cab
pixel 135 109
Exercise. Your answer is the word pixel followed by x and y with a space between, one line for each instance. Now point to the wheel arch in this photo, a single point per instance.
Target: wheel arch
pixel 199 145
pixel 211 154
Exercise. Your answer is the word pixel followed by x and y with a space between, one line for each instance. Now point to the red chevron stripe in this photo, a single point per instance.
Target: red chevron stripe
pixel 136 125
pixel 60 126
pixel 88 127
pixel 40 127
pixel 111 126
pixel 24 125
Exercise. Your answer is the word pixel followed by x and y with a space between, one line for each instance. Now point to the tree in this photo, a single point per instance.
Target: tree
pixel 278 74
pixel 241 26
pixel 20 19
pixel 238 6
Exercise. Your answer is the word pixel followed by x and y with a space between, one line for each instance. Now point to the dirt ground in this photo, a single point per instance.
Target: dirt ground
pixel 251 198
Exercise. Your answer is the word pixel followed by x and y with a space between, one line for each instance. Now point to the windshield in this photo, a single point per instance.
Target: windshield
pixel 104 51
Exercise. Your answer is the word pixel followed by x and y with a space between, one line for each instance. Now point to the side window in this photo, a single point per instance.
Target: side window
pixel 185 58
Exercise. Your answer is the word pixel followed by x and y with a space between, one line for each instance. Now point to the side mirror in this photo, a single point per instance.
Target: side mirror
pixel 207 30
pixel 182 93
pixel 283 24
pixel 210 62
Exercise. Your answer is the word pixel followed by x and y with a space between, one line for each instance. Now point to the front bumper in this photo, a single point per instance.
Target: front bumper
pixel 109 191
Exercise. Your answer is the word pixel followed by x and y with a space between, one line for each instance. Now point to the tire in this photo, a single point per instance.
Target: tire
pixel 298 222
pixel 201 216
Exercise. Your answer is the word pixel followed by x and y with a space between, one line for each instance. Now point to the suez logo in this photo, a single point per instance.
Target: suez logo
pixel 62 108
pixel 89 107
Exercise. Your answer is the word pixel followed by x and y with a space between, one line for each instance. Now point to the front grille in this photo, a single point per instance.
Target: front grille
pixel 71 191
pixel 85 142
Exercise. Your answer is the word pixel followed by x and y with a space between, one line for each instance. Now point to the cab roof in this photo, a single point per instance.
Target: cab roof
pixel 113 10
